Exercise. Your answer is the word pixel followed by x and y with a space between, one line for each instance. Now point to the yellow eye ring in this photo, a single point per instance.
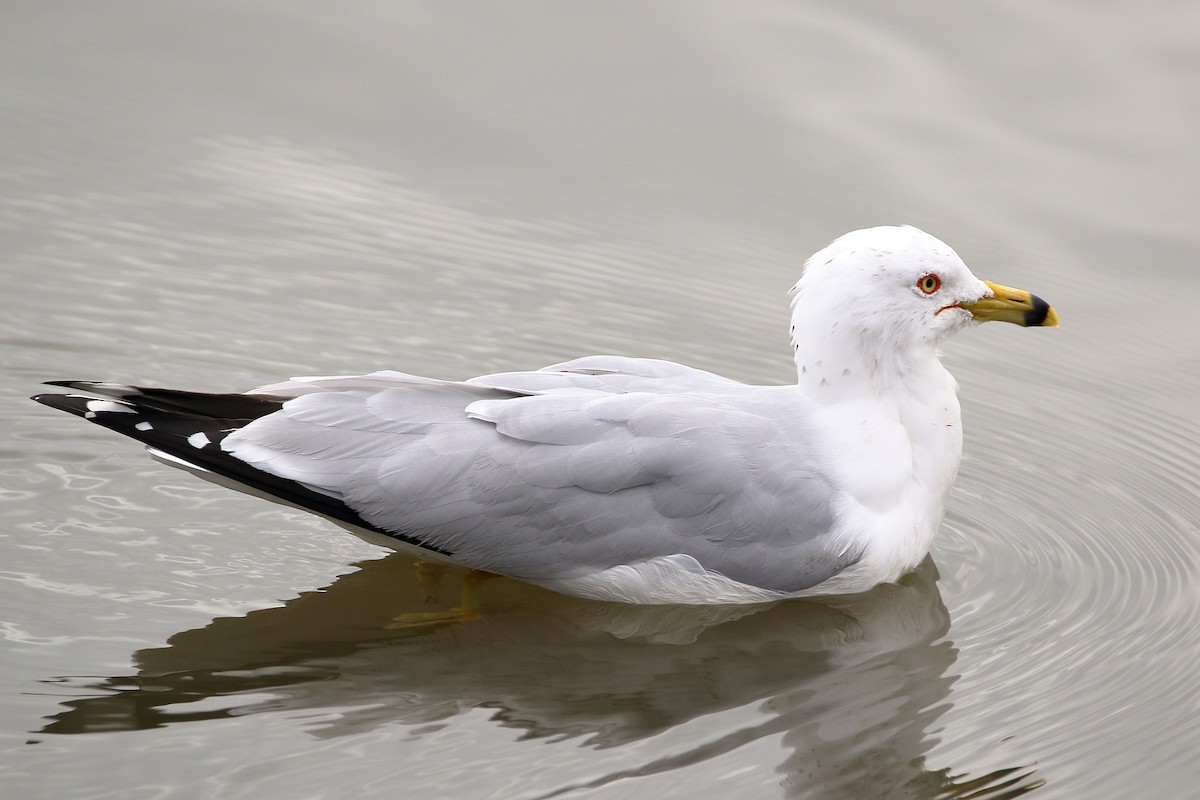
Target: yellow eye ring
pixel 929 283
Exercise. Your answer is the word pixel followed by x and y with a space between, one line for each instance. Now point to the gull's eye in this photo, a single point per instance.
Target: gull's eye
pixel 929 283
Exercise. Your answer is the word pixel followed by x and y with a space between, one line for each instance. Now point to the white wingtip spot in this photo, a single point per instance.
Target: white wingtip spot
pixel 198 439
pixel 144 426
pixel 97 406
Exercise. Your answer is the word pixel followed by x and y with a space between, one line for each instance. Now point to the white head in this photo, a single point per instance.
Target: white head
pixel 886 297
pixel 894 284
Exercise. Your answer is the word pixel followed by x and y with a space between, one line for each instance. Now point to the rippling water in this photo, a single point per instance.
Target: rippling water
pixel 219 196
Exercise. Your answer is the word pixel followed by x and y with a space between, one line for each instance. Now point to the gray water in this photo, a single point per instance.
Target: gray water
pixel 217 195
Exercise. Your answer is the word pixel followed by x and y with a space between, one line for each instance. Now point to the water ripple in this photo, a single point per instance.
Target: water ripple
pixel 1098 555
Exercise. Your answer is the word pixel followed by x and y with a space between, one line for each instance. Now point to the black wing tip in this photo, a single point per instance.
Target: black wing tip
pixel 73 404
pixel 211 405
pixel 69 402
pixel 170 430
pixel 109 389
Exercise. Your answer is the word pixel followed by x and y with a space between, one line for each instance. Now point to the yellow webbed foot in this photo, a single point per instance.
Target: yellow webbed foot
pixel 466 611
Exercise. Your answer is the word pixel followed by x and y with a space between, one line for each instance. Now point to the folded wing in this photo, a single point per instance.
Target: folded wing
pixel 566 471
pixel 545 476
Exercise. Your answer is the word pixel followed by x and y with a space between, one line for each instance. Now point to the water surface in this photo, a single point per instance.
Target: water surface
pixel 215 196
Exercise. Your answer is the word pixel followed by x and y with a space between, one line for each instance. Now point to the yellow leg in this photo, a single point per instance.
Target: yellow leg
pixel 467 609
pixel 429 578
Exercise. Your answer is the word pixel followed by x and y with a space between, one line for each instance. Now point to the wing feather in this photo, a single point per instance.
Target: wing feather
pixel 611 374
pixel 569 476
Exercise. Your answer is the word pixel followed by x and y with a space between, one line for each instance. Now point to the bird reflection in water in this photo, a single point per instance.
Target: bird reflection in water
pixel 851 684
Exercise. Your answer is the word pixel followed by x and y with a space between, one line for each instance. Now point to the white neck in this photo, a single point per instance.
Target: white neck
pixel 838 361
pixel 892 414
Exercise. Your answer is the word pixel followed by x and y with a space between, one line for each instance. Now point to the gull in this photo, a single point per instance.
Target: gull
pixel 630 479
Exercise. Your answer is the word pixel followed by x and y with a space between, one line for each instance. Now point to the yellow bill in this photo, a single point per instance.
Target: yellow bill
pixel 1013 305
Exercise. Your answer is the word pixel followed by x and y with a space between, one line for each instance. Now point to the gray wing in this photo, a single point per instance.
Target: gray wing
pixel 569 481
pixel 612 374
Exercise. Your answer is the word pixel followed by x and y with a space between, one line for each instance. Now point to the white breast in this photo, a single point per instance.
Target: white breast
pixel 898 456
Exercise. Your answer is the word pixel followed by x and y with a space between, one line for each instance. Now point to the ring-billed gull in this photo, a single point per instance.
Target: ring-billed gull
pixel 629 479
